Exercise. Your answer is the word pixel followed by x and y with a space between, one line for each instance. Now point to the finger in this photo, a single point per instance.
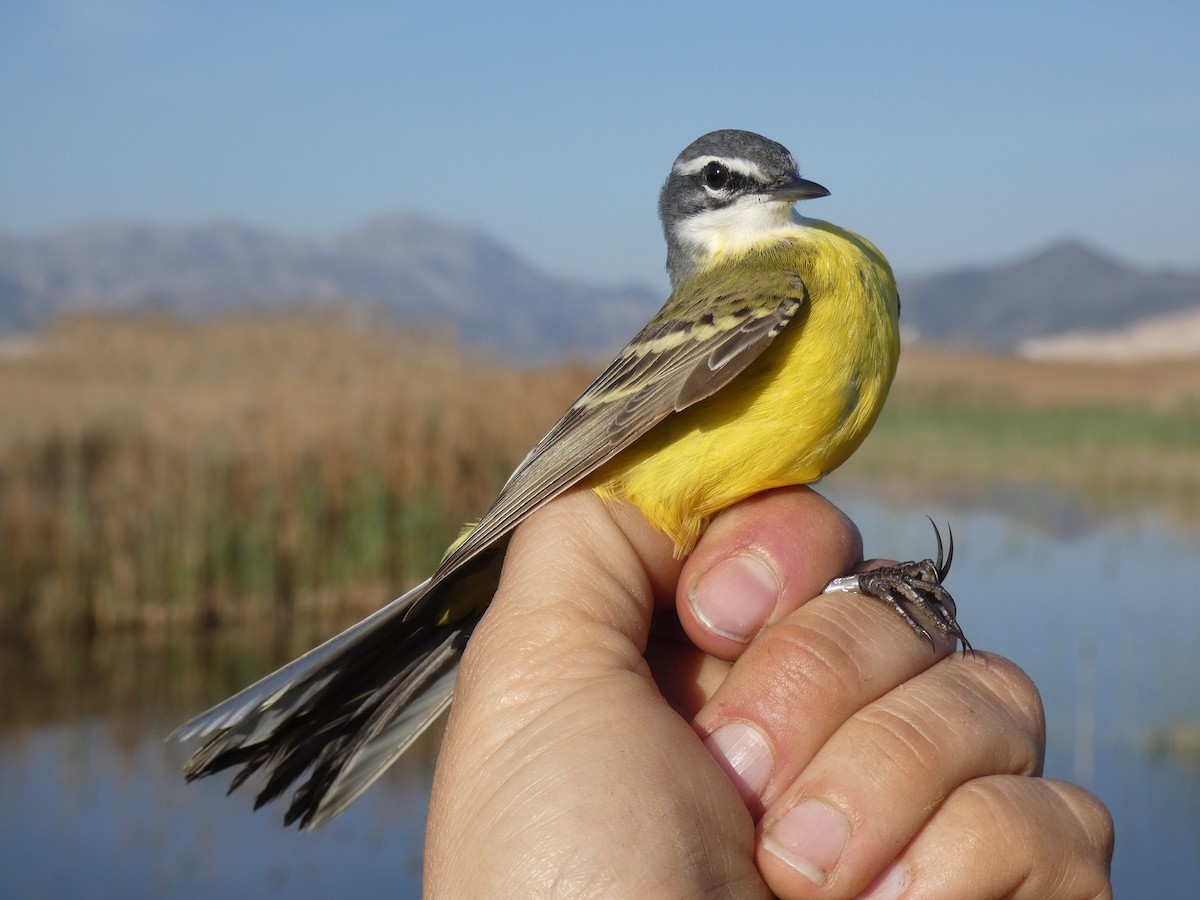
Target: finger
pixel 1057 842
pixel 554 700
pixel 576 560
pixel 574 604
pixel 799 682
pixel 876 782
pixel 758 561
pixel 687 676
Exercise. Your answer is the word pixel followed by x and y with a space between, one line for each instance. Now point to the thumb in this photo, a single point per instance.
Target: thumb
pixel 580 583
pixel 559 740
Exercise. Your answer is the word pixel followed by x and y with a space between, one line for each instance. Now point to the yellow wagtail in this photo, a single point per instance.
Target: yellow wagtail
pixel 766 367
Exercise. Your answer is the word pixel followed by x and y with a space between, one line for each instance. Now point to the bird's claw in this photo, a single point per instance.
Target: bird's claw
pixel 911 586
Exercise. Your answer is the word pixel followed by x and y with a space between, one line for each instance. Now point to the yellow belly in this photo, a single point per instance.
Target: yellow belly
pixel 795 414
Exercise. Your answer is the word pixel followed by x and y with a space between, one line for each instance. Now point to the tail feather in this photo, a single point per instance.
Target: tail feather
pixel 410 709
pixel 344 711
pixel 253 713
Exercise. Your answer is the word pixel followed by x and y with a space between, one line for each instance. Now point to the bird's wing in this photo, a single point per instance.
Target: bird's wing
pixel 709 330
pixel 702 338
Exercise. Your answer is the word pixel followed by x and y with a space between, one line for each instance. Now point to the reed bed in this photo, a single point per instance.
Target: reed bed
pixel 160 475
pixel 154 473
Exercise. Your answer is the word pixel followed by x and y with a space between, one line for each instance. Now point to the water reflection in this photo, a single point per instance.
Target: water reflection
pixel 1102 614
pixel 96 806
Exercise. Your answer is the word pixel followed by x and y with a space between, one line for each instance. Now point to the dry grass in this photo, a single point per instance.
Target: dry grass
pixel 927 373
pixel 153 473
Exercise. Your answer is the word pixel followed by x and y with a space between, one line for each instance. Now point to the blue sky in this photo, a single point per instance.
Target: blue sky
pixel 949 133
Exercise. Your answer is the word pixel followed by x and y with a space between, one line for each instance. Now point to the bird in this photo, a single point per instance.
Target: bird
pixel 766 367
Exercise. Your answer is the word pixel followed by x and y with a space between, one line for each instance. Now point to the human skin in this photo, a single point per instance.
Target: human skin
pixel 627 724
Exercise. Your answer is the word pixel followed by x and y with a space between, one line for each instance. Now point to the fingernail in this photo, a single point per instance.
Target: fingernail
pixel 890 884
pixel 734 597
pixel 809 837
pixel 745 755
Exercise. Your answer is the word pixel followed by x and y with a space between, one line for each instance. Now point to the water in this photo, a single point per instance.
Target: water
pixel 89 816
pixel 1103 615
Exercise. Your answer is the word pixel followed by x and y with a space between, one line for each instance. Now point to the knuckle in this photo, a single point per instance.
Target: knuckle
pixel 1093 816
pixel 902 740
pixel 798 660
pixel 1061 836
pixel 1088 861
pixel 1012 691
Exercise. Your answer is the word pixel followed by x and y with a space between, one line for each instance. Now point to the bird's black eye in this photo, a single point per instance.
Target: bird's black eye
pixel 715 175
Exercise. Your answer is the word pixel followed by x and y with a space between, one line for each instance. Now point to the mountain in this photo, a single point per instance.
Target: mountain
pixel 1064 288
pixel 410 267
pixel 424 272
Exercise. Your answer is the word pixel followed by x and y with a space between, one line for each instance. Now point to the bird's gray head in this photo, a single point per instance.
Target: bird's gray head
pixel 728 191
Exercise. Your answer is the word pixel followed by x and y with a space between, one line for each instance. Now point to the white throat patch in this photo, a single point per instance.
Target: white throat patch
pixel 739 227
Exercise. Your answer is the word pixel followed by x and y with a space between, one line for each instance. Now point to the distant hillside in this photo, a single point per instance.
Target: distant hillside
pixel 420 271
pixel 413 269
pixel 1064 288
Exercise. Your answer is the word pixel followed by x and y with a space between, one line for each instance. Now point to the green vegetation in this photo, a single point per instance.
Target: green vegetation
pixel 1117 437
pixel 154 474
pixel 157 475
pixel 1179 742
pixel 1090 449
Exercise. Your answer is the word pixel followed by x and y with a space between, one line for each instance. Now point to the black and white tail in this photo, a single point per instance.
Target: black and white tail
pixel 343 712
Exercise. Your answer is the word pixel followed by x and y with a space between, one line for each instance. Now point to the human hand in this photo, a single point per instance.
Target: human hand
pixel 579 758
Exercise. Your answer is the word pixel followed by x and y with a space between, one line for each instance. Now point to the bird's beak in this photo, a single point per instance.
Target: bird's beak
pixel 796 189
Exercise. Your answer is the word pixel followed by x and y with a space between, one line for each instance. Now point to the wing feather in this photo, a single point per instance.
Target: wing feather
pixel 708 332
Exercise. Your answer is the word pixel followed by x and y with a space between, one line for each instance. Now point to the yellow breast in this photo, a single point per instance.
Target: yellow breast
pixel 796 413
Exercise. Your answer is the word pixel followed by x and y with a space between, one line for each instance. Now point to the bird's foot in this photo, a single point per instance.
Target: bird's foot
pixel 912 586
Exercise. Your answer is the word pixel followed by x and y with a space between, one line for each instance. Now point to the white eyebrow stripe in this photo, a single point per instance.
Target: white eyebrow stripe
pixel 747 167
